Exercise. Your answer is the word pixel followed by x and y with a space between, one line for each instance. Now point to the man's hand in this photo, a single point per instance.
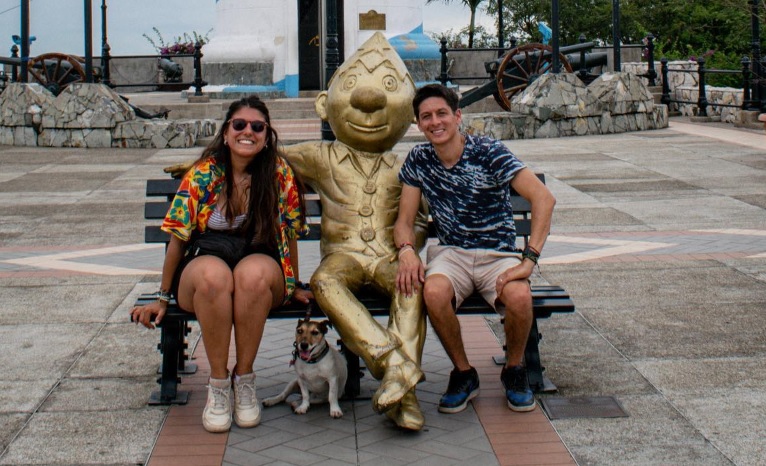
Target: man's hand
pixel 143 314
pixel 517 272
pixel 411 272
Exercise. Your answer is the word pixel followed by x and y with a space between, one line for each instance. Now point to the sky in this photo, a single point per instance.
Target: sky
pixel 59 24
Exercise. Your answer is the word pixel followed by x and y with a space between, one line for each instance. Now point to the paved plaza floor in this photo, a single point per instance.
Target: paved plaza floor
pixel 659 236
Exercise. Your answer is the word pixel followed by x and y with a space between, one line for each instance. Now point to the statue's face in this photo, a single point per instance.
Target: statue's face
pixel 370 111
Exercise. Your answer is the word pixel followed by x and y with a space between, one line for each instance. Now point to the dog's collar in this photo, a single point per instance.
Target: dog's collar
pixel 314 359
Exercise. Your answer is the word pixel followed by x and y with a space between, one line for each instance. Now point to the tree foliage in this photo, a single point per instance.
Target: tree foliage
pixel 472 5
pixel 682 28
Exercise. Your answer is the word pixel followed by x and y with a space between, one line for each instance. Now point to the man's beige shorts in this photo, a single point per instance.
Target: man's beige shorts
pixel 470 269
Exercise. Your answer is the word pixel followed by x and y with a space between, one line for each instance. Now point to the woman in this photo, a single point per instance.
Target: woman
pixel 240 185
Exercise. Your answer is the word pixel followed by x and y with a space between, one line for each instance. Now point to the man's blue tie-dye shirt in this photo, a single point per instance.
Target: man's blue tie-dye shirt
pixel 470 203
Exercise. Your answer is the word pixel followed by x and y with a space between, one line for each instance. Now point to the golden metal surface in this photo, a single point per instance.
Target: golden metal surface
pixel 369 107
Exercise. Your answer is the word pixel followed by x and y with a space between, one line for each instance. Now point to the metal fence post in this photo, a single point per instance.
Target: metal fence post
pixel 198 82
pixel 106 75
pixel 444 76
pixel 746 95
pixel 651 73
pixel 702 98
pixel 14 68
pixel 583 70
pixel 665 99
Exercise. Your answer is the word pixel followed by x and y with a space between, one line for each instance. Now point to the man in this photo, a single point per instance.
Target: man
pixel 465 181
pixel 369 108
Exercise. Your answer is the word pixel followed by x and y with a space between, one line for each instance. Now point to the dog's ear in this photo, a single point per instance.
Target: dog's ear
pixel 300 322
pixel 323 326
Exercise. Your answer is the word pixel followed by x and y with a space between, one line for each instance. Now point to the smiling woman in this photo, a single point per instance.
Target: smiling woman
pixel 243 194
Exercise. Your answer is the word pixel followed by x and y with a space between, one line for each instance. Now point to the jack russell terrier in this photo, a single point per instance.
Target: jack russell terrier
pixel 320 368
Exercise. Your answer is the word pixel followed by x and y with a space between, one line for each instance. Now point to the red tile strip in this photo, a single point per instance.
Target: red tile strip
pixel 516 438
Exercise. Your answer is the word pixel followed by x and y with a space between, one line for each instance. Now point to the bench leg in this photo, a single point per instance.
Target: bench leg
pixel 537 380
pixel 353 384
pixel 171 346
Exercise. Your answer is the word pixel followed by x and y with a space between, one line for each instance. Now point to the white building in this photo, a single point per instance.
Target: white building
pixel 278 45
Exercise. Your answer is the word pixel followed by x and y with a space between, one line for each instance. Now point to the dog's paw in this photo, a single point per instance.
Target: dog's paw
pixel 300 408
pixel 336 413
pixel 271 401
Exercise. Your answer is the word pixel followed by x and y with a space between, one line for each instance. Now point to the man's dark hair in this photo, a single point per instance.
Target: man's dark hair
pixel 434 90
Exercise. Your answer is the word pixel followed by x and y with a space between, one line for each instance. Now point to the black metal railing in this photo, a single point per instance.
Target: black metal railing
pixel 753 85
pixel 14 61
pixel 445 77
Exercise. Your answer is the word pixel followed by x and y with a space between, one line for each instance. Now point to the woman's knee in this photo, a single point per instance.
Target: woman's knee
pixel 210 279
pixel 257 276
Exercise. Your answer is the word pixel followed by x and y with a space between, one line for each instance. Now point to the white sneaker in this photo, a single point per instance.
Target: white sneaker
pixel 247 409
pixel 216 417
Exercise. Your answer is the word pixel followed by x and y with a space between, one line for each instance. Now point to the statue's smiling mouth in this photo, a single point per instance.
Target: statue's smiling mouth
pixel 367 129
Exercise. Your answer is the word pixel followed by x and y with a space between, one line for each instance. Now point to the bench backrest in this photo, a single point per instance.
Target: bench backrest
pixel 166 190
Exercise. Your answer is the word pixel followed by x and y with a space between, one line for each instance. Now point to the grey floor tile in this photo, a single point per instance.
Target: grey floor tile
pixel 293 456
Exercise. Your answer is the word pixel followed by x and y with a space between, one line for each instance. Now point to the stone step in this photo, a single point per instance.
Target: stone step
pixel 180 109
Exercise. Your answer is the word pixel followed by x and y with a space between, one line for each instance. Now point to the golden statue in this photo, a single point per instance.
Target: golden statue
pixel 369 108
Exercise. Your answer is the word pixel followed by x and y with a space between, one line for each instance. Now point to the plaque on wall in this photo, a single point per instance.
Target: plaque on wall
pixel 372 21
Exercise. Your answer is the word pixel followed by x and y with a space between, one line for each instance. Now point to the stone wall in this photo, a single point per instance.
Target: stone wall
pixel 685 87
pixel 559 105
pixel 87 115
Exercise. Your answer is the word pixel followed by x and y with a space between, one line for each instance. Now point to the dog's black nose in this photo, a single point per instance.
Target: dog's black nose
pixel 304 346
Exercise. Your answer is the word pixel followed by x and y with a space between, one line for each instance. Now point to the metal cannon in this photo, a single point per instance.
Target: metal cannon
pixel 173 71
pixel 518 68
pixel 55 71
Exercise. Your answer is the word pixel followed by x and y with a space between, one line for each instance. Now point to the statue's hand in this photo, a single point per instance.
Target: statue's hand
pixel 411 272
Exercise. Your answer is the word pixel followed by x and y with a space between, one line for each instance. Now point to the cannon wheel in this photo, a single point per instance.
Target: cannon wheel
pixel 48 71
pixel 520 67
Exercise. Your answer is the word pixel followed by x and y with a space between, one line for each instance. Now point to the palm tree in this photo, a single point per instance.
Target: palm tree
pixel 472 5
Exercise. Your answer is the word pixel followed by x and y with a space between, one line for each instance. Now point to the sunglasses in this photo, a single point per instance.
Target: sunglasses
pixel 239 124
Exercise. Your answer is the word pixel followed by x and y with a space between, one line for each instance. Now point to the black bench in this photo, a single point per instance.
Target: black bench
pixel 174 327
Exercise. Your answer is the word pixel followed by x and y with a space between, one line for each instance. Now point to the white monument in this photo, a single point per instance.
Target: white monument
pixel 255 44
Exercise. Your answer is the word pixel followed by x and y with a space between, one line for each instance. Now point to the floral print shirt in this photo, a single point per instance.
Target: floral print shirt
pixel 196 199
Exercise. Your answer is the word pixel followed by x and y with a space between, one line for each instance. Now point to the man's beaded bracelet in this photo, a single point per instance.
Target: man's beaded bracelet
pixel 531 254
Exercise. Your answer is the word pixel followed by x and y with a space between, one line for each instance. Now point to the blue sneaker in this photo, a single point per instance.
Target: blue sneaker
pixel 462 388
pixel 517 391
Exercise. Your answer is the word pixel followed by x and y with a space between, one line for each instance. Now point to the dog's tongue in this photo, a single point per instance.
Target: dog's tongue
pixel 305 355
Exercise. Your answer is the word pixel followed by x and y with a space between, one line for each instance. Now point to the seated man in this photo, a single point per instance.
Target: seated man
pixel 369 108
pixel 465 181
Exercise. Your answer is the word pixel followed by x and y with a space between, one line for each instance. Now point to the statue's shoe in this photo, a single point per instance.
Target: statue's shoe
pixel 407 413
pixel 397 381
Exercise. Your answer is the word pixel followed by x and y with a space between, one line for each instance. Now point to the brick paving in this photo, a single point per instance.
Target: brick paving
pixel 487 433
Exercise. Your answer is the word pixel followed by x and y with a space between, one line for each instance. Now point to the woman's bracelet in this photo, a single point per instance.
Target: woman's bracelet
pixel 163 296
